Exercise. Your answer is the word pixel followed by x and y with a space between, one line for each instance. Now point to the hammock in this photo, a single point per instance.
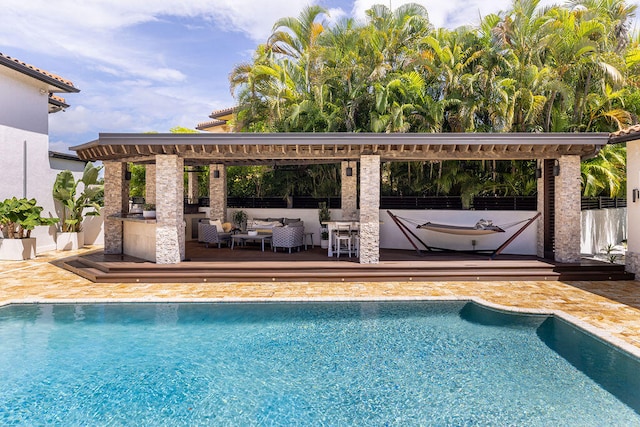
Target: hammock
pixel 456 229
pixel 481 228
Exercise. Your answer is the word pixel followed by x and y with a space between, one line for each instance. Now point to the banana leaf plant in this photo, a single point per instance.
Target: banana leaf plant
pixel 19 216
pixel 65 191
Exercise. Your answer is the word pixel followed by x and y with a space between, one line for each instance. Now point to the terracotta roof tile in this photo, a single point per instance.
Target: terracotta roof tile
pixel 223 112
pixel 623 135
pixel 210 123
pixel 23 66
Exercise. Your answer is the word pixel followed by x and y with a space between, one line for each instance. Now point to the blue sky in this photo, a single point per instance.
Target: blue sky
pixel 150 65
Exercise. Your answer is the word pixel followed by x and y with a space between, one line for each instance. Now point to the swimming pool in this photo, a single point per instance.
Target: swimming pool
pixel 364 363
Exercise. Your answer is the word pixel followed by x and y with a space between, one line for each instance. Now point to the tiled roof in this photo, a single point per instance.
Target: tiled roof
pixel 211 123
pixel 623 135
pixel 224 112
pixel 40 74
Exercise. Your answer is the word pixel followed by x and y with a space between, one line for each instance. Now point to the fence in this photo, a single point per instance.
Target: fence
pixel 514 203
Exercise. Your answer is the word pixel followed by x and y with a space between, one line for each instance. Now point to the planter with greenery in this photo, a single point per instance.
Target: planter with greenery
pixel 17 218
pixel 324 215
pixel 65 191
pixel 149 210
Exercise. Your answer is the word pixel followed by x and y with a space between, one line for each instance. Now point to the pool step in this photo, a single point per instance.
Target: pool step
pixel 127 271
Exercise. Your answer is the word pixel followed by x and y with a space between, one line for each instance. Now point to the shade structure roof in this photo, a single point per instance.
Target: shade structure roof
pixel 301 148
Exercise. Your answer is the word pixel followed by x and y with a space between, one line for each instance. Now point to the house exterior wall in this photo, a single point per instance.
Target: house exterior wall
pixel 633 208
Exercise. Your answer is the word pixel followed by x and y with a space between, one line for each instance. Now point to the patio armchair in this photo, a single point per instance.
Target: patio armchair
pixel 209 234
pixel 290 236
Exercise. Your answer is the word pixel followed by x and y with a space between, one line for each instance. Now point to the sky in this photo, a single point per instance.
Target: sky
pixel 150 65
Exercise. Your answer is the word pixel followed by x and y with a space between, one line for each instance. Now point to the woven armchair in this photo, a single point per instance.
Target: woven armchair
pixel 287 237
pixel 209 234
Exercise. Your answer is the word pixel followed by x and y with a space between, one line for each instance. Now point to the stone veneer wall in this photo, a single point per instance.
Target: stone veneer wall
pixel 192 191
pixel 218 193
pixel 116 200
pixel 150 184
pixel 567 210
pixel 632 263
pixel 170 247
pixel 349 191
pixel 541 220
pixel 369 209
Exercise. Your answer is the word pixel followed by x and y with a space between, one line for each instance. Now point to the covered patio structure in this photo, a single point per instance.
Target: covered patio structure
pixel 166 155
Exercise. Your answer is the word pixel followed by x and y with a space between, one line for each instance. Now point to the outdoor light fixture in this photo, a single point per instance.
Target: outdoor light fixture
pixel 349 170
pixel 635 194
pixel 127 174
pixel 538 170
pixel 216 173
pixel 556 167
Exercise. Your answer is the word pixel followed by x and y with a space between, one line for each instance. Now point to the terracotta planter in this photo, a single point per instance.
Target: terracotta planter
pixel 17 249
pixel 69 241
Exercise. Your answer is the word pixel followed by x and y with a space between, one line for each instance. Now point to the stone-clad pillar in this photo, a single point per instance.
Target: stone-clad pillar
pixel 218 192
pixel 170 228
pixel 192 191
pixel 369 209
pixel 540 203
pixel 116 201
pixel 349 191
pixel 150 183
pixel 632 257
pixel 567 210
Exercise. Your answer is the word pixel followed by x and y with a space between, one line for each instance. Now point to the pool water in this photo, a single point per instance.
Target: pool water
pixel 339 364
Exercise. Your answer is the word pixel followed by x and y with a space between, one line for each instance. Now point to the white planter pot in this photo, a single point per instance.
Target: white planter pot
pixel 17 249
pixel 149 214
pixel 69 241
pixel 324 244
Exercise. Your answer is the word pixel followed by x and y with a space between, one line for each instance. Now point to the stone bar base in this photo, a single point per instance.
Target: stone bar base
pixel 632 260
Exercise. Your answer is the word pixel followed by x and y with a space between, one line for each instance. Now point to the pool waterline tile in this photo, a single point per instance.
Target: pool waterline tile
pixel 610 310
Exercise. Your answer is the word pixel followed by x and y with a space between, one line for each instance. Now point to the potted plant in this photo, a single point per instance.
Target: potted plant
pixel 17 218
pixel 240 220
pixel 65 191
pixel 149 210
pixel 324 215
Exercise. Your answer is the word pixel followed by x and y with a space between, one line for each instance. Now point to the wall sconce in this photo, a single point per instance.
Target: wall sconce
pixel 216 173
pixel 127 174
pixel 538 170
pixel 556 167
pixel 635 194
pixel 349 170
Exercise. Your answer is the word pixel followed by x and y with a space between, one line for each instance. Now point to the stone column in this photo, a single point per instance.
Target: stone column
pixel 540 203
pixel 369 209
pixel 632 257
pixel 116 200
pixel 218 192
pixel 150 183
pixel 567 210
pixel 349 191
pixel 192 191
pixel 169 209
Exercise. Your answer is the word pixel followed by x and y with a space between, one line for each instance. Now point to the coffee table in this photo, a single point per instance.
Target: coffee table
pixel 242 238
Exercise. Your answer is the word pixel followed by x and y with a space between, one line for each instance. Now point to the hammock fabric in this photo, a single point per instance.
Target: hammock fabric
pixel 455 229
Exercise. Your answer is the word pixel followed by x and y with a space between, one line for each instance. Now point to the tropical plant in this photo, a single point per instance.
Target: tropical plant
pixel 19 216
pixel 65 191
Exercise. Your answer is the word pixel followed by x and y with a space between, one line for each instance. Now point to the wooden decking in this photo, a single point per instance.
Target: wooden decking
pixel 248 264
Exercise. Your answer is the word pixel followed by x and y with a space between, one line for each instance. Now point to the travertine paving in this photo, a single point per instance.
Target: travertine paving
pixel 610 310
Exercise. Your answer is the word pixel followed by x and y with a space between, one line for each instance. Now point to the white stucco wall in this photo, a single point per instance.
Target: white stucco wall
pixel 392 238
pixel 26 170
pixel 22 105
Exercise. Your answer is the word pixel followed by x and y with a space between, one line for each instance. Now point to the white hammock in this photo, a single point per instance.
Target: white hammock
pixel 456 229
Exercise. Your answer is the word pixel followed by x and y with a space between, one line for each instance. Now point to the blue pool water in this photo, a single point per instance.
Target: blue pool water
pixel 339 364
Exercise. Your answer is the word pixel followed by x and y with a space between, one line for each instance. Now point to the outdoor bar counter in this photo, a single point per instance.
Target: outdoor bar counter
pixel 138 235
